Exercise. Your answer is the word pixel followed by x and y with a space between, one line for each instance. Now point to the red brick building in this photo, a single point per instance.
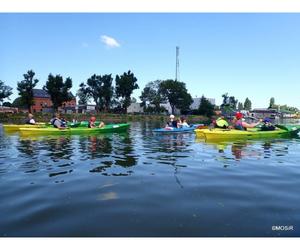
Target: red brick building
pixel 42 102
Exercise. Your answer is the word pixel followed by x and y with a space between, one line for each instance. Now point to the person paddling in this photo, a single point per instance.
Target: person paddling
pixel 172 123
pixel 92 123
pixel 183 122
pixel 239 124
pixel 30 120
pixel 57 122
pixel 220 122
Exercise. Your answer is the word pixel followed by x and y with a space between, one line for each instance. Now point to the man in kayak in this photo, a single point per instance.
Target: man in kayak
pixel 220 122
pixel 30 120
pixel 57 122
pixel 240 124
pixel 267 125
pixel 92 123
pixel 172 123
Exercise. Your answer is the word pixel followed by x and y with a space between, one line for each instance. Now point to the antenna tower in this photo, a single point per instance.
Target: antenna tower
pixel 177 64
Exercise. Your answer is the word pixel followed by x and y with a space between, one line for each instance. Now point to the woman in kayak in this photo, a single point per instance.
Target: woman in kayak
pixel 92 123
pixel 183 123
pixel 239 124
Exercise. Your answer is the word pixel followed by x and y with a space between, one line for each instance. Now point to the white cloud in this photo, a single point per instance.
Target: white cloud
pixel 110 42
pixel 85 45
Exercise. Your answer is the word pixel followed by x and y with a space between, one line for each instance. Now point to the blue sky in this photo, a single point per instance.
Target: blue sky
pixel 246 55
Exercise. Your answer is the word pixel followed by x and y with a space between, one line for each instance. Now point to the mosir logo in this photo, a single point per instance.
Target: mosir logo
pixel 282 228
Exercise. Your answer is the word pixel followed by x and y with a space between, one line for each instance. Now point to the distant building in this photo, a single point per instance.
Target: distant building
pixel 86 108
pixel 262 113
pixel 197 100
pixel 43 103
pixel 11 110
pixel 135 108
pixel 168 107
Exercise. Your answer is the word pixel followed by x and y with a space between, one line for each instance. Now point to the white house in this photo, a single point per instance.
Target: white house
pixel 135 108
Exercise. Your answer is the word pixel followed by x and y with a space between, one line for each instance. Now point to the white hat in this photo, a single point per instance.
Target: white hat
pixel 172 116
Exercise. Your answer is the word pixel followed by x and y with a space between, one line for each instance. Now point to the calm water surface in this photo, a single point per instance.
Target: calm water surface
pixel 140 184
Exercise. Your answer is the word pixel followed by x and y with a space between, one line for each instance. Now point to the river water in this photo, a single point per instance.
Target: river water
pixel 142 184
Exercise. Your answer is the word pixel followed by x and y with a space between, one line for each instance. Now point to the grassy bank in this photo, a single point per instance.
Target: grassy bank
pixel 106 117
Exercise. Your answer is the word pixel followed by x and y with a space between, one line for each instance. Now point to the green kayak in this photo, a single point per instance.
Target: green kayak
pixel 77 130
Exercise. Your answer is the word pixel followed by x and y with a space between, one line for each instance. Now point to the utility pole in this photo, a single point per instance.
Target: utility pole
pixel 177 64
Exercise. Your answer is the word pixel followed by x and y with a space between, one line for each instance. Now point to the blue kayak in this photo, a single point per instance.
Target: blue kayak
pixel 176 130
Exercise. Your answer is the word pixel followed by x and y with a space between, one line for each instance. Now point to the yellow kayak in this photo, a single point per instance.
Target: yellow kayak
pixel 16 127
pixel 234 134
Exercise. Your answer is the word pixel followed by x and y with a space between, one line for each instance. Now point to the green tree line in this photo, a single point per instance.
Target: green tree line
pixel 114 94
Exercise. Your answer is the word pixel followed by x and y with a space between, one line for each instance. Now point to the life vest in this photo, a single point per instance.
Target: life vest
pixel 172 124
pixel 52 121
pixel 28 121
pixel 221 123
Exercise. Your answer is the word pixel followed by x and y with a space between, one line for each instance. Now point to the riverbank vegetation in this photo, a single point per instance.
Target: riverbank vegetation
pixel 19 118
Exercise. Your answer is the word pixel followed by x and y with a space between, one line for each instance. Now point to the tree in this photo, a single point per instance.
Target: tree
pixel 82 94
pixel 100 89
pixel 229 103
pixel 5 91
pixel 125 84
pixel 7 104
pixel 133 100
pixel 176 93
pixel 107 91
pixel 58 89
pixel 18 103
pixel 272 103
pixel 240 106
pixel 151 95
pixel 25 88
pixel 205 107
pixel 247 104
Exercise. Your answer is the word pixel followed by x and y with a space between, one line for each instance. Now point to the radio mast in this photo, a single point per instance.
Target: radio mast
pixel 177 64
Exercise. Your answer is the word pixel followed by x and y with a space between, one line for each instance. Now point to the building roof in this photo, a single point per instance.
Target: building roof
pixel 44 94
pixel 40 93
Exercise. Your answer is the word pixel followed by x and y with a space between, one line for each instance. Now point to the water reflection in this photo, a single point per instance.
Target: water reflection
pixel 96 146
pixel 174 187
pixel 249 149
pixel 111 153
pixel 121 158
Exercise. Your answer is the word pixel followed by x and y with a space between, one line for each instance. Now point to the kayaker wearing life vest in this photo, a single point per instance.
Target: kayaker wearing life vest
pixel 221 123
pixel 30 120
pixel 172 123
pixel 57 122
pixel 183 123
pixel 239 124
pixel 92 123
pixel 267 125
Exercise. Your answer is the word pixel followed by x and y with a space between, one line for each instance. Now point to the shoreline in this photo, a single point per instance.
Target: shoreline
pixel 105 117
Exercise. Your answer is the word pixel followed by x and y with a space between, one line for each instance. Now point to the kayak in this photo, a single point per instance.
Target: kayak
pixel 253 133
pixel 16 127
pixel 177 130
pixel 78 130
pixel 81 124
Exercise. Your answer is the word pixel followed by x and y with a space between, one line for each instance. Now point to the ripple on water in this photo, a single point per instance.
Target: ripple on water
pixel 141 184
